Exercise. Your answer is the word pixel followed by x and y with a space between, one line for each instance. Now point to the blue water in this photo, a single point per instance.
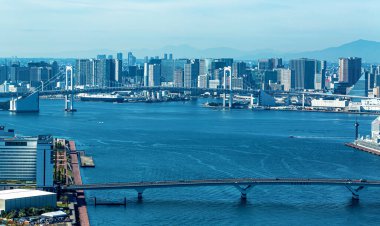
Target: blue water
pixel 173 141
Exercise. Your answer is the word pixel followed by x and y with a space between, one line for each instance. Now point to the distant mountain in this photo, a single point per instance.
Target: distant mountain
pixel 369 51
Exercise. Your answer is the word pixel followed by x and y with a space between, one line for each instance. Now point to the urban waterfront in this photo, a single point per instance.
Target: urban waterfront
pixel 182 140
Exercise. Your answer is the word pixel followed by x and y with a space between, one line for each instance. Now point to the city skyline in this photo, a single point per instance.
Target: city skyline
pixel 50 27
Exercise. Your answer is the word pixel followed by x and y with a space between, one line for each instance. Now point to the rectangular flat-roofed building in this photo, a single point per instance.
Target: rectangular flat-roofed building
pixel 23 198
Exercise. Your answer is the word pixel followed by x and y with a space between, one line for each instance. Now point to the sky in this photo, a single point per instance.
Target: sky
pixel 31 28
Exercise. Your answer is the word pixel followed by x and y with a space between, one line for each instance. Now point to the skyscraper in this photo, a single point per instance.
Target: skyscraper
pixel 84 72
pixel 131 59
pixel 178 77
pixel 154 75
pixel 119 56
pixel 286 78
pixel 191 72
pixel 203 81
pixel 239 69
pixel 350 70
pixel 304 72
pixel 167 70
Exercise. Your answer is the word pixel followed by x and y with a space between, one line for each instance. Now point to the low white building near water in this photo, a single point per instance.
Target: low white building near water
pixel 23 198
pixel 329 103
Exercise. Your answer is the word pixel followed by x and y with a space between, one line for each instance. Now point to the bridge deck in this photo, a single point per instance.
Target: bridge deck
pixel 227 182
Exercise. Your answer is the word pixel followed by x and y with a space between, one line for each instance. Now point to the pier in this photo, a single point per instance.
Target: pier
pixel 81 200
pixel 363 148
pixel 86 161
pixel 243 185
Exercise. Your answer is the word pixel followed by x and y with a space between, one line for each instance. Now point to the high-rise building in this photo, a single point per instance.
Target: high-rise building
pixel 369 82
pixel 119 56
pixel 191 72
pixel 286 78
pixel 167 70
pixel 320 75
pixel 26 158
pixel 239 69
pixel 118 64
pixel 205 66
pixel 350 70
pixel 203 81
pixel 170 56
pixel 101 57
pixel 304 73
pixel 154 75
pixel 146 74
pixel 4 73
pixel 270 64
pixel 178 77
pixel 84 73
pixel 131 59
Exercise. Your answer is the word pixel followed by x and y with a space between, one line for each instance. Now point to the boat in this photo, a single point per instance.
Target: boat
pixel 102 97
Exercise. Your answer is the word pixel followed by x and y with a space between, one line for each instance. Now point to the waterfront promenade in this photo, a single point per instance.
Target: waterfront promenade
pixel 81 200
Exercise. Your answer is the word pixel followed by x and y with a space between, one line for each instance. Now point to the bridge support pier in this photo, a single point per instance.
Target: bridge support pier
pixel 140 194
pixel 355 191
pixel 244 191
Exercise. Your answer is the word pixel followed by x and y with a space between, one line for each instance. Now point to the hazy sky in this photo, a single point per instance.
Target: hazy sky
pixel 43 27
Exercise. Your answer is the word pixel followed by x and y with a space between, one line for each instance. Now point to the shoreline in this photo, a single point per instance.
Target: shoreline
pixel 363 148
pixel 80 207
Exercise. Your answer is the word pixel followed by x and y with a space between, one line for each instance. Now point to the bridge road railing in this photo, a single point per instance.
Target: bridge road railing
pixel 244 185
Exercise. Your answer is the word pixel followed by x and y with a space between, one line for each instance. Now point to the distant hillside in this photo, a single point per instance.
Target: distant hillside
pixel 369 51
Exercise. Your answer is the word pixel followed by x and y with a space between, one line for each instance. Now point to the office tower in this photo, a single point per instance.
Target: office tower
pixel 205 66
pixel 3 73
pixel 110 57
pixel 203 81
pixel 239 69
pixel 84 73
pixel 146 74
pixel 154 75
pixel 228 61
pixel 170 56
pixel 191 72
pixel 178 77
pixel 119 56
pixel 270 64
pixel 180 63
pixel 286 78
pixel 26 158
pixel 165 56
pixel 237 83
pixel 118 64
pixel 320 75
pixel 131 59
pixel 349 70
pixel 304 73
pixel 101 57
pixel 269 77
pixel 217 64
pixel 102 70
pixel 167 70
pixel 369 82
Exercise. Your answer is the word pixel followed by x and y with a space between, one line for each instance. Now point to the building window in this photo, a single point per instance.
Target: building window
pixel 16 143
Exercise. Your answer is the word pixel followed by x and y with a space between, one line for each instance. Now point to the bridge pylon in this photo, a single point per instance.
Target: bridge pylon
pixel 244 191
pixel 355 191
pixel 69 97
pixel 230 101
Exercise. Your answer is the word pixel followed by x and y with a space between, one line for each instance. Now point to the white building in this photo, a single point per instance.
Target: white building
pixel 214 84
pixel 23 198
pixel 26 159
pixel 203 81
pixel 329 103
pixel 370 105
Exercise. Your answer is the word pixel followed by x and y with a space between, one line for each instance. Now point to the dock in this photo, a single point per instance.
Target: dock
pixel 363 148
pixel 81 200
pixel 86 161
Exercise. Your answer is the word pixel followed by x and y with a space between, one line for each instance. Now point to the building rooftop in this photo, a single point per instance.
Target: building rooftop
pixel 22 193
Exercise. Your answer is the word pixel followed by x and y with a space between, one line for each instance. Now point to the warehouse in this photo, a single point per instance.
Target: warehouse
pixel 23 198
